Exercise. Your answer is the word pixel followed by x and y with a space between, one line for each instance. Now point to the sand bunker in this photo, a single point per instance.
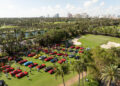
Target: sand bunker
pixel 110 45
pixel 75 41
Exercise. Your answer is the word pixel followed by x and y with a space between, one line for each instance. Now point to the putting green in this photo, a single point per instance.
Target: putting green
pixel 96 40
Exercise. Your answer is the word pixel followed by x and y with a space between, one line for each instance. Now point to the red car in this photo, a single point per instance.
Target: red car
pixel 10 58
pixel 22 74
pixel 80 51
pixel 65 55
pixel 57 44
pixel 31 55
pixel 8 70
pixel 72 47
pixel 6 66
pixel 22 61
pixel 32 65
pixel 81 48
pixel 14 72
pixel 41 66
pixel 48 59
pixel 59 54
pixel 63 49
pixel 61 61
pixel 77 47
pixel 53 53
pixel 51 71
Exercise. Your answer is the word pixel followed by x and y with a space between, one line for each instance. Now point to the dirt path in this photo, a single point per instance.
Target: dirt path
pixel 73 80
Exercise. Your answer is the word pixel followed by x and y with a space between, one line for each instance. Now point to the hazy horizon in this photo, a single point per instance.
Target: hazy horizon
pixel 37 8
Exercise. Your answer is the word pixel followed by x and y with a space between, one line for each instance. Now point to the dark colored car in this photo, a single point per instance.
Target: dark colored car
pixel 42 57
pixel 71 50
pixel 71 56
pixel 47 69
pixel 76 51
pixel 77 57
pixel 2 83
pixel 18 59
pixel 54 60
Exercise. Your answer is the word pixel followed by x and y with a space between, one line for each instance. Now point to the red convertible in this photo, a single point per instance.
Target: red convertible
pixel 8 70
pixel 53 53
pixel 77 47
pixel 61 61
pixel 80 51
pixel 72 47
pixel 14 72
pixel 31 55
pixel 22 74
pixel 48 59
pixel 59 54
pixel 32 65
pixel 6 66
pixel 41 66
pixel 51 71
pixel 22 61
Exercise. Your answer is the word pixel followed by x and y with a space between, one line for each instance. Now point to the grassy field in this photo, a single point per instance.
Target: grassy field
pixel 36 78
pixel 8 26
pixel 96 40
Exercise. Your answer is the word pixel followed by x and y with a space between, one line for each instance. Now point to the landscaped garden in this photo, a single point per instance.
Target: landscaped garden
pixel 38 52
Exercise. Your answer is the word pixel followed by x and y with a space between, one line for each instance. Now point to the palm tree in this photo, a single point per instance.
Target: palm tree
pixel 61 71
pixel 110 74
pixel 77 68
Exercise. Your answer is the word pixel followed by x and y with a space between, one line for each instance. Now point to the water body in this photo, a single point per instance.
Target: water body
pixel 27 34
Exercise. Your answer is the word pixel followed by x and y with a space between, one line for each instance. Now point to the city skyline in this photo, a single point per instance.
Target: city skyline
pixel 37 8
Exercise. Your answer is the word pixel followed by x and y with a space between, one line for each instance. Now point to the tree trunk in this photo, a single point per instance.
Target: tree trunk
pixel 79 80
pixel 63 80
pixel 82 80
pixel 109 82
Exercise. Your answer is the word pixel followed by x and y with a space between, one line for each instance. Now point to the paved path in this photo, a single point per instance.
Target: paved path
pixel 73 80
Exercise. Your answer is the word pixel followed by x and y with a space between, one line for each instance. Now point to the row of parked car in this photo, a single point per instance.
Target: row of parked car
pixel 30 64
pixel 18 73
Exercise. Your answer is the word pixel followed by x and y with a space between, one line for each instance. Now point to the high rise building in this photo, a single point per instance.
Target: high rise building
pixel 56 15
pixel 70 15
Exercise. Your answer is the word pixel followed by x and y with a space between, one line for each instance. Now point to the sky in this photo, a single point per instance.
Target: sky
pixel 37 8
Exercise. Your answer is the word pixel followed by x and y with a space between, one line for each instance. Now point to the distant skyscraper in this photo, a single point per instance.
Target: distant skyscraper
pixel 70 15
pixel 77 16
pixel 48 16
pixel 56 15
pixel 82 15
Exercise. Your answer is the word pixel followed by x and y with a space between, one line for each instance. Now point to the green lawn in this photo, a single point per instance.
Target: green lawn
pixel 8 26
pixel 96 40
pixel 37 78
